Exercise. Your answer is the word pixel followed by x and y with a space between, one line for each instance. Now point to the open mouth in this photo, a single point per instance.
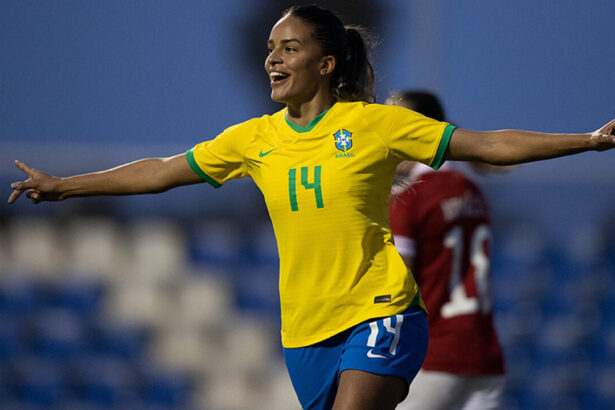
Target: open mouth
pixel 277 77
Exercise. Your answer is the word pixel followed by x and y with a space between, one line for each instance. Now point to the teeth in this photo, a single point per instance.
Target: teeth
pixel 277 75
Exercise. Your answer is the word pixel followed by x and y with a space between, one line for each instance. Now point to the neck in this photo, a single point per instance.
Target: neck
pixel 302 113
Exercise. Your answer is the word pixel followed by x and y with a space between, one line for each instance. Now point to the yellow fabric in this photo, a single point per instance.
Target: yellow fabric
pixel 336 249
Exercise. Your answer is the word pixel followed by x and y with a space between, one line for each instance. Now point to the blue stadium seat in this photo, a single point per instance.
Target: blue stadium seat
pixel 7 386
pixel 19 405
pixel 102 382
pixel 39 382
pixel 20 297
pixel 165 388
pixel 57 335
pixel 602 391
pixel 119 341
pixel 10 342
pixel 219 244
pixel 81 296
pixel 256 290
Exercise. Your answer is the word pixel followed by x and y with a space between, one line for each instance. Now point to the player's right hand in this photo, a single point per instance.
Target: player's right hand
pixel 604 138
pixel 38 187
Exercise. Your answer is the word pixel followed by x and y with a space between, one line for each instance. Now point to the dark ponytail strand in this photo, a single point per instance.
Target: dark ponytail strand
pixel 355 81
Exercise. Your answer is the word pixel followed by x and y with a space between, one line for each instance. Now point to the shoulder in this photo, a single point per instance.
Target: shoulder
pixel 377 114
pixel 257 123
pixel 388 110
pixel 238 136
pixel 363 108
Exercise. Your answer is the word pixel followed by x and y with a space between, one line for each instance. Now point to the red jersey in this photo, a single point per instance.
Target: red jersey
pixel 442 222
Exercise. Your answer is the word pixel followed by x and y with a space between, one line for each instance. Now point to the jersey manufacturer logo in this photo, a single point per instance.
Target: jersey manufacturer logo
pixel 343 140
pixel 382 299
pixel 262 154
pixel 375 356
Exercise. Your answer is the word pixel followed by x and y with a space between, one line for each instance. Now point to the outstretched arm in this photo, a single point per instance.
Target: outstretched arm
pixel 152 175
pixel 507 147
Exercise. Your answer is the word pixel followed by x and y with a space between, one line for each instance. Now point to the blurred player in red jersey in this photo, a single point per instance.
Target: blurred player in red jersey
pixel 440 221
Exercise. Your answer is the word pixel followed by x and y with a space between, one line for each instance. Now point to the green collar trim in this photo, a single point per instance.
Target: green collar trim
pixel 309 127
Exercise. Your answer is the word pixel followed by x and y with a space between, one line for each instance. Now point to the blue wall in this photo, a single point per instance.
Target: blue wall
pixel 117 72
pixel 158 71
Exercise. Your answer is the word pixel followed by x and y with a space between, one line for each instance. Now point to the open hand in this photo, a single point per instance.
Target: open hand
pixel 38 187
pixel 604 138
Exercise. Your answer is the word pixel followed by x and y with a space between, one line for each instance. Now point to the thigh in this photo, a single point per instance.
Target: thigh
pixel 486 393
pixel 380 359
pixel 313 371
pixel 435 391
pixel 368 391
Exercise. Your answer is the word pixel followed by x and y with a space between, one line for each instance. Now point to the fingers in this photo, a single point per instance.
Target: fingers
pixel 605 141
pixel 17 191
pixel 608 138
pixel 609 128
pixel 14 195
pixel 23 185
pixel 606 134
pixel 24 167
pixel 35 196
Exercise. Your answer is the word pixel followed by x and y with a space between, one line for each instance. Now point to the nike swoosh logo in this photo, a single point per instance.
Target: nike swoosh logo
pixel 374 356
pixel 262 154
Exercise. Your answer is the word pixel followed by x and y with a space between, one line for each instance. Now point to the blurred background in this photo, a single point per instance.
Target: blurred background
pixel 170 301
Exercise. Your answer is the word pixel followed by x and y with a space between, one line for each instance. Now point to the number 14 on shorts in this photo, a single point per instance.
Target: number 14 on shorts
pixel 389 332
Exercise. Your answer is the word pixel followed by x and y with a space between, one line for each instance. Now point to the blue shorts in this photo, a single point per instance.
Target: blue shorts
pixel 392 346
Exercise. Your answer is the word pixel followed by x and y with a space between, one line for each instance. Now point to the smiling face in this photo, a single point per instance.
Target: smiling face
pixel 297 69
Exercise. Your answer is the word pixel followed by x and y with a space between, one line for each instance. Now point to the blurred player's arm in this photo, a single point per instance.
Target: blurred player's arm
pixel 409 261
pixel 404 244
pixel 508 147
pixel 145 176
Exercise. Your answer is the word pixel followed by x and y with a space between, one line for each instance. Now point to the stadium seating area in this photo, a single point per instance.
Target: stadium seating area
pixel 99 313
pixel 554 313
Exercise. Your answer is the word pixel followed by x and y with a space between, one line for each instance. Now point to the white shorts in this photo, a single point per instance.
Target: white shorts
pixel 446 391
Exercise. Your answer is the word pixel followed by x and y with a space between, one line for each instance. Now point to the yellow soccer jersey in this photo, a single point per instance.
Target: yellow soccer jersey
pixel 327 194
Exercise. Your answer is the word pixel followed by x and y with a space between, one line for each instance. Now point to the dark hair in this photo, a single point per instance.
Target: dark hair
pixel 422 102
pixel 353 77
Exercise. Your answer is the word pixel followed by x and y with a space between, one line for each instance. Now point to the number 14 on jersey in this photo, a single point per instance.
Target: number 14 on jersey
pixel 305 177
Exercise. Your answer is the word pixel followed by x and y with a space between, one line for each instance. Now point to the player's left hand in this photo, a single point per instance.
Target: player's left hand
pixel 604 138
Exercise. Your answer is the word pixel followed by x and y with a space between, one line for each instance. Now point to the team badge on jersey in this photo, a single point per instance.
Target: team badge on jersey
pixel 343 140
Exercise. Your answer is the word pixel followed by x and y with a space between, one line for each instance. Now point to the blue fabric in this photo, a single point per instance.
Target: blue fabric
pixel 394 346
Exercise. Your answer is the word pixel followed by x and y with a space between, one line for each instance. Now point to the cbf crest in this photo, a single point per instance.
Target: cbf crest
pixel 343 140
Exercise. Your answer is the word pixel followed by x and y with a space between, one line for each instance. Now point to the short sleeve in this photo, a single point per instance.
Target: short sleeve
pixel 221 159
pixel 410 135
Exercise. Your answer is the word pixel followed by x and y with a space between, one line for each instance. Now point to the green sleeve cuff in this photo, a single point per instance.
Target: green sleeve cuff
pixel 195 167
pixel 446 138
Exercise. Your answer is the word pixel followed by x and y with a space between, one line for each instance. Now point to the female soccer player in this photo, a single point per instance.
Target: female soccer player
pixel 440 222
pixel 353 327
